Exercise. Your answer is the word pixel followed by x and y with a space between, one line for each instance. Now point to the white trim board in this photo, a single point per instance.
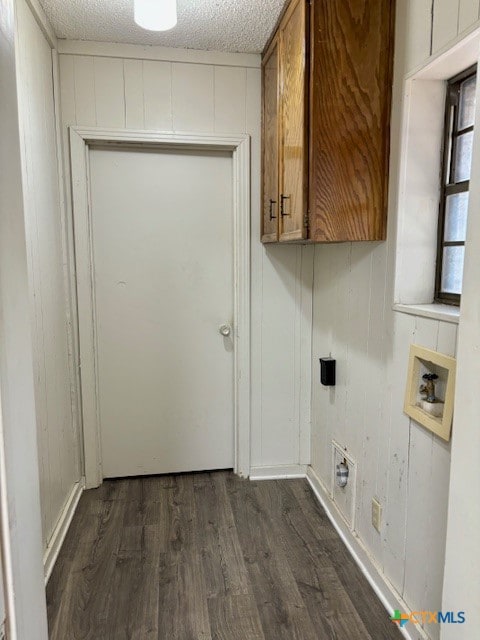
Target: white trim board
pixel 150 52
pixel 80 140
pixel 58 536
pixel 43 22
pixel 386 593
pixel 279 472
pixel 6 551
pixel 442 312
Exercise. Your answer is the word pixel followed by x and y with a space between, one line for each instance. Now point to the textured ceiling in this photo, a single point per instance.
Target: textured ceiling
pixel 224 25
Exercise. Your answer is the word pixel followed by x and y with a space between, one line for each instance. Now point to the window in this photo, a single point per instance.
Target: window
pixel 457 160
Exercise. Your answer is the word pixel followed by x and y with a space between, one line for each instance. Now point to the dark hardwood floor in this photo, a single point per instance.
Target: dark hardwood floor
pixel 208 557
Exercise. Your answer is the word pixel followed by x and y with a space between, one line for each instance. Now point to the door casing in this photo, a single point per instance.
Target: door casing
pixel 81 139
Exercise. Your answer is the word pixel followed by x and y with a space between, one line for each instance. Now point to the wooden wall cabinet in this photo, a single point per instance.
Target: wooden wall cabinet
pixel 327 83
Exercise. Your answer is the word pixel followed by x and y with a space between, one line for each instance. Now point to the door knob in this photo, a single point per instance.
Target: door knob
pixel 225 330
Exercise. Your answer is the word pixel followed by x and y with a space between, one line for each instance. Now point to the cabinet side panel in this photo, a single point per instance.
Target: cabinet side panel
pixel 351 81
pixel 270 147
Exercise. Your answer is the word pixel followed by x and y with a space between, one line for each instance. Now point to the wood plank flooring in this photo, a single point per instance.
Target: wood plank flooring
pixel 208 557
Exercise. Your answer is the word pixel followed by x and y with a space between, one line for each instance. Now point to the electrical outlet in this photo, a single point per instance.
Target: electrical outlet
pixel 376 514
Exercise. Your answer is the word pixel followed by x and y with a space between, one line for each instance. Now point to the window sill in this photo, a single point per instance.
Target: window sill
pixel 444 312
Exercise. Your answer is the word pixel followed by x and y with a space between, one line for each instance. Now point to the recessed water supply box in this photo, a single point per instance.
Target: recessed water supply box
pixel 344 482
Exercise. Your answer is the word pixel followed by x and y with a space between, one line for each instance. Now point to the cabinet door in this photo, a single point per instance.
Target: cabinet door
pixel 270 137
pixel 293 147
pixel 351 49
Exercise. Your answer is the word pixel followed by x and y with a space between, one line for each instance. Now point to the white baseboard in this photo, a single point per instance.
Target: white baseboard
pixel 58 536
pixel 280 472
pixel 386 592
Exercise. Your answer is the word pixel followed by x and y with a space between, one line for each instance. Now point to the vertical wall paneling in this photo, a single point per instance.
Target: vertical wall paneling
pixel 419 28
pixel 279 420
pixel 303 374
pixel 373 434
pixel 397 457
pixel 340 276
pixel 419 471
pixel 434 558
pixel 439 485
pixel 358 345
pixel 67 89
pixel 447 338
pixel 84 80
pixel 134 102
pixel 445 23
pixel 57 435
pixel 429 472
pixel 323 398
pixel 193 97
pixel 230 91
pixel 109 92
pixel 253 108
pixel 157 94
pixel 64 76
pixel 468 13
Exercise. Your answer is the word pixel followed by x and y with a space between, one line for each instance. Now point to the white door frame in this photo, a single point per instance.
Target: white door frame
pixel 81 139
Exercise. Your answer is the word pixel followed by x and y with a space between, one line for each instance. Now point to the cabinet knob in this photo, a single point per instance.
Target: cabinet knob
pixel 282 205
pixel 270 211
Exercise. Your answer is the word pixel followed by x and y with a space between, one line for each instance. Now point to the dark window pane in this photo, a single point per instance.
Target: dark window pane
pixel 452 272
pixel 456 217
pixel 463 159
pixel 448 177
pixel 467 103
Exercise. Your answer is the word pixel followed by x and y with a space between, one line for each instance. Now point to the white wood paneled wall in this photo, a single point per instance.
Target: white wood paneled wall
pixel 398 461
pixel 58 444
pixel 20 509
pixel 435 25
pixel 118 86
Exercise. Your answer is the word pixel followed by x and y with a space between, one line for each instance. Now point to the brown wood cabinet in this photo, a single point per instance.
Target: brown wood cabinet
pixel 271 84
pixel 327 82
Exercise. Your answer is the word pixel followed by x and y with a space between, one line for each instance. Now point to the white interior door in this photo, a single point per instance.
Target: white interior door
pixel 163 285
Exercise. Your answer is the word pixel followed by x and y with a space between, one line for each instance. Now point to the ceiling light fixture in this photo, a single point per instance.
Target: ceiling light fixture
pixel 155 15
